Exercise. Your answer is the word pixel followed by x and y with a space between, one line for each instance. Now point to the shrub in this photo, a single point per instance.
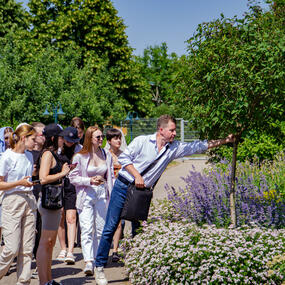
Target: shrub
pixel 263 147
pixel 205 198
pixel 183 253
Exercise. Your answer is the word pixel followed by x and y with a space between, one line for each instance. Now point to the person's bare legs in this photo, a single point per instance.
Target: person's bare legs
pixel 44 255
pixel 61 232
pixel 117 237
pixel 71 228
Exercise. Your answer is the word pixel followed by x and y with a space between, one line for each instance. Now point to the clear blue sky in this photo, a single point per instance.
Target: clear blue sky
pixel 151 22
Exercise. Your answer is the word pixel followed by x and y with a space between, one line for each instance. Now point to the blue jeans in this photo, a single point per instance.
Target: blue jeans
pixel 113 218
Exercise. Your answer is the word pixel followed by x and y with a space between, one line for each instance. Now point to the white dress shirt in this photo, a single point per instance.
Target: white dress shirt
pixel 142 151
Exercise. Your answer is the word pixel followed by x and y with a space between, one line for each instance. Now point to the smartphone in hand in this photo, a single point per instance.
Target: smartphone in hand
pixel 72 165
pixel 102 179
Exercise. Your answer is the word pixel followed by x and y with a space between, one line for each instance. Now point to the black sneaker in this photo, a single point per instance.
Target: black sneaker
pixel 115 257
pixel 35 274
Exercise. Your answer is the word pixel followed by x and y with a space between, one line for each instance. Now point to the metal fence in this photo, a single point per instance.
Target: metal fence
pixel 134 128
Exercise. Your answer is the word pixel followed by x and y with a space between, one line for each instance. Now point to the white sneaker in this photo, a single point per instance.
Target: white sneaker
pixel 61 256
pixel 100 277
pixel 88 270
pixel 70 258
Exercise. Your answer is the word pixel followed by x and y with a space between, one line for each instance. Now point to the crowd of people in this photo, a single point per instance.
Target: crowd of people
pixel 92 182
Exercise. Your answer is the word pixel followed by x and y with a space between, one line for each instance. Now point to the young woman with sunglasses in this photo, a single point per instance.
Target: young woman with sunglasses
pixel 93 179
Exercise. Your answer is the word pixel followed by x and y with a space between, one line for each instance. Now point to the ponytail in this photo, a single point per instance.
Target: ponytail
pixel 13 139
pixel 21 131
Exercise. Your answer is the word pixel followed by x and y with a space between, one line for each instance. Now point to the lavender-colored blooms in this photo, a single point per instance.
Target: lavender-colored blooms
pixel 205 199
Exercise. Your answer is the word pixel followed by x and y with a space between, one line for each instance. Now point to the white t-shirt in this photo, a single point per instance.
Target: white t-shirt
pixel 15 166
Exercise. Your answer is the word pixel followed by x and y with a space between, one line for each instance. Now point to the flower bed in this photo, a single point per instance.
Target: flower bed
pixel 171 249
pixel 259 195
pixel 182 253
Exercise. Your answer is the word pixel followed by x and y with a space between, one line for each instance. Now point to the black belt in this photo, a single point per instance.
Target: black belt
pixel 124 180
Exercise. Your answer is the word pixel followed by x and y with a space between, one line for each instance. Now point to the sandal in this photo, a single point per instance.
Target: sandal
pixel 62 255
pixel 70 258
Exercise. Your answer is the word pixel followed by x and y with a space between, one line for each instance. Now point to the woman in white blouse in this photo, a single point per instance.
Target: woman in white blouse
pixel 93 180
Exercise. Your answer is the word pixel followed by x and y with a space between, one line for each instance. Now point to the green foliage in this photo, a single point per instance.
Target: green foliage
pixel 12 16
pixel 52 77
pixel 263 147
pixel 94 29
pixel 158 69
pixel 233 78
pixel 92 26
pixel 97 36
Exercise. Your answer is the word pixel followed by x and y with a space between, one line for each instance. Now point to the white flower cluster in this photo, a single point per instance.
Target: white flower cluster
pixel 182 253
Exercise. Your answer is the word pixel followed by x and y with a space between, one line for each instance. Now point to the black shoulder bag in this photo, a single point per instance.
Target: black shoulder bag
pixel 137 203
pixel 52 195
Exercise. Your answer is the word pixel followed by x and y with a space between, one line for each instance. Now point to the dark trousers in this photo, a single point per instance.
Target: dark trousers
pixel 38 233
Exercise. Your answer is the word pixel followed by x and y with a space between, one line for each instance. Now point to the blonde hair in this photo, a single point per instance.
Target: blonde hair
pixel 77 123
pixel 24 130
pixel 87 145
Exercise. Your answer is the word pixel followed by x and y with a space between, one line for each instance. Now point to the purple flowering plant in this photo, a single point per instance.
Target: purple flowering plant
pixel 172 249
pixel 205 198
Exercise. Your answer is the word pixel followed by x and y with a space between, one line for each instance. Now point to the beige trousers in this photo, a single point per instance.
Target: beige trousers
pixel 18 226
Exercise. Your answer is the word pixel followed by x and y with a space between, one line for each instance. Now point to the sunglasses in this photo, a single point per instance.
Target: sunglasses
pixel 100 137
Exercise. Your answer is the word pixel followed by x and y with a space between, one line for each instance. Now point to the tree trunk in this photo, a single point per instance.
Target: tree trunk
pixel 232 186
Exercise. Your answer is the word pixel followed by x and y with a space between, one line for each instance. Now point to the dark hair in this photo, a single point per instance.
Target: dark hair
pixel 113 133
pixel 51 144
pixel 68 151
pixel 76 122
pixel 163 121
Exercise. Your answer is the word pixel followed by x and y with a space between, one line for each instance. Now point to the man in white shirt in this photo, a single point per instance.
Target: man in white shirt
pixel 141 152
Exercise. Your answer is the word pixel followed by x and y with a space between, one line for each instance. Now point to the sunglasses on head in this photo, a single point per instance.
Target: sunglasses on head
pixel 100 137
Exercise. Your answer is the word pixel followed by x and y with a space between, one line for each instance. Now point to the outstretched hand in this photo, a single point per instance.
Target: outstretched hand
pixel 216 143
pixel 230 138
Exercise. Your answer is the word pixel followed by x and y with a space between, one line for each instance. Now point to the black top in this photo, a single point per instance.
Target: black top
pixel 56 169
pixel 82 140
pixel 37 187
pixel 66 156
